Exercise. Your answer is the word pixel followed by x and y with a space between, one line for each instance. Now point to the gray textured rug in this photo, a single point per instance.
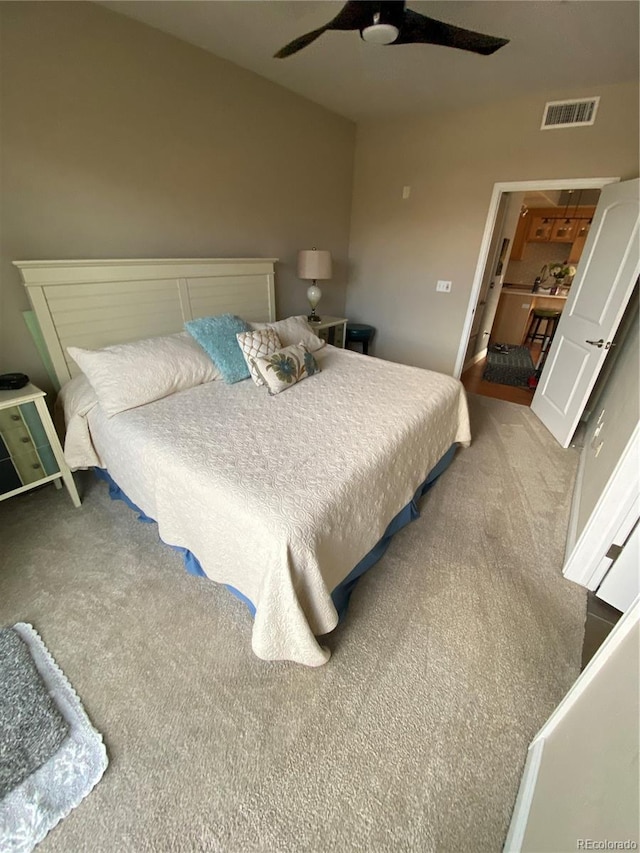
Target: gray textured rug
pixel 30 808
pixel 456 648
pixel 512 366
pixel 31 726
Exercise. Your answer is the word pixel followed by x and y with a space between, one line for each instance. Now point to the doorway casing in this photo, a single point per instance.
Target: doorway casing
pixel 498 190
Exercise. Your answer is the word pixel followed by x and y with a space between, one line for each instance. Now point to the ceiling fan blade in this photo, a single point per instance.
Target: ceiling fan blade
pixel 297 44
pixel 354 15
pixel 357 14
pixel 419 29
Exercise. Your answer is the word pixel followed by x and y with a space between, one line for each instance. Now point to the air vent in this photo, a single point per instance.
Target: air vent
pixel 569 113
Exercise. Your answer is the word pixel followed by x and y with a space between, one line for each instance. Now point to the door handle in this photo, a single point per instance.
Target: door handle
pixel 598 344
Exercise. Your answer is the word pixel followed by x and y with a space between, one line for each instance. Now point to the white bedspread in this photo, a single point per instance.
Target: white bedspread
pixel 281 497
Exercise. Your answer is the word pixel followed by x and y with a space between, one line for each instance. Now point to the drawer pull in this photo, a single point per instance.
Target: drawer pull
pixel 25 440
pixel 15 417
pixel 36 465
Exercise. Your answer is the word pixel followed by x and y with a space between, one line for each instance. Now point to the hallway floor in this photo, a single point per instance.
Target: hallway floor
pixel 475 384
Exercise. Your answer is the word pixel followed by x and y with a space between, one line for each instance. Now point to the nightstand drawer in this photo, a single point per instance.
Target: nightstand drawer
pixel 24 443
pixel 333 335
pixel 15 440
pixel 332 330
pixel 10 419
pixel 29 465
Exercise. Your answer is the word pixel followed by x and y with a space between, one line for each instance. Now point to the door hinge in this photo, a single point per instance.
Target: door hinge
pixel 614 552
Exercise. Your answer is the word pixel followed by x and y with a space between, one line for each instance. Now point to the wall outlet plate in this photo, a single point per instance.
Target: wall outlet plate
pixel 443 286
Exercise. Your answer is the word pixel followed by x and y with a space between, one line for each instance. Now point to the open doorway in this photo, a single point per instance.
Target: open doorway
pixel 536 244
pixel 599 295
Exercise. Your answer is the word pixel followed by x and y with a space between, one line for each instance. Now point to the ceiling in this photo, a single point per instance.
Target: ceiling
pixel 555 44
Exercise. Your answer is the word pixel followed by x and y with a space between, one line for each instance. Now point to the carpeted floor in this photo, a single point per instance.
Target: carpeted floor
pixel 456 648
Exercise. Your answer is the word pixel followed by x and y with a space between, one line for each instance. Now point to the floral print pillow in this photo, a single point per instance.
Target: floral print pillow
pixel 284 368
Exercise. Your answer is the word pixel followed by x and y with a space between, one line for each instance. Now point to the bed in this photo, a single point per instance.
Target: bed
pixel 281 497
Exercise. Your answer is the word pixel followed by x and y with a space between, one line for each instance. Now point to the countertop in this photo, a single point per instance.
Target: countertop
pixel 521 290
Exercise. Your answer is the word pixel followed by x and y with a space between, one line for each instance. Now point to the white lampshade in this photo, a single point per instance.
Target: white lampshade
pixel 314 264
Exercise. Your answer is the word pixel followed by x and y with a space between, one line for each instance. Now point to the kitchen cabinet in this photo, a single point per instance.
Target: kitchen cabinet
pixel 563 230
pixel 540 229
pixel 548 225
pixel 514 310
pixel 582 232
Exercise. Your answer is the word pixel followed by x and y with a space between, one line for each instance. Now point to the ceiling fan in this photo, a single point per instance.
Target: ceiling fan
pixel 391 23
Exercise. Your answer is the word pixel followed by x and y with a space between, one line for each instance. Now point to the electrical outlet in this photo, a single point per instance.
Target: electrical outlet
pixel 443 287
pixel 406 192
pixel 594 440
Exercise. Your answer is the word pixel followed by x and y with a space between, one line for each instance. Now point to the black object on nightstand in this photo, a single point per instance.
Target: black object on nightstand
pixel 13 381
pixel 360 333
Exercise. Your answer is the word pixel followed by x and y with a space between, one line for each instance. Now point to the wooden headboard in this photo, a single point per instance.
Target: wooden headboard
pixel 96 303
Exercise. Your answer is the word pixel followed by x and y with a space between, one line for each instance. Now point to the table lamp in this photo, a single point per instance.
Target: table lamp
pixel 314 264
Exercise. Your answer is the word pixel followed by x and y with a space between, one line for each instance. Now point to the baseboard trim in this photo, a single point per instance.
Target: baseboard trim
pixel 476 358
pixel 522 808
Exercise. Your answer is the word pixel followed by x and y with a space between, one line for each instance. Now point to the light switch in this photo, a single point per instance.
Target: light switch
pixel 406 192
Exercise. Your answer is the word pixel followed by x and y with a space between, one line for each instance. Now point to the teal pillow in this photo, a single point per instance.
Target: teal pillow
pixel 217 337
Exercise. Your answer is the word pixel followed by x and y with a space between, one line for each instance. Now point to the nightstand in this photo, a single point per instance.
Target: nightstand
pixel 332 330
pixel 30 453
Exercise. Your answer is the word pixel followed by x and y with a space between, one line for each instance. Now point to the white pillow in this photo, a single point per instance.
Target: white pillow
pixel 128 375
pixel 296 330
pixel 257 343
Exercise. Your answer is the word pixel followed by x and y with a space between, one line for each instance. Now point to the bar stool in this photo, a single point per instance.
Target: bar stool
pixel 550 318
pixel 360 333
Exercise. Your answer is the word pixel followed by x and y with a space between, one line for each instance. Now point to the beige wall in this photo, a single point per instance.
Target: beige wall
pixel 587 784
pixel 121 141
pixel 400 248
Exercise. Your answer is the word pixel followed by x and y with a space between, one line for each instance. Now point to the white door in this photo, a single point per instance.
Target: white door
pixel 478 340
pixel 622 582
pixel 607 272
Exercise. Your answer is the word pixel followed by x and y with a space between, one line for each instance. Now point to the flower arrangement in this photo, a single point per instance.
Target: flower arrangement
pixel 560 271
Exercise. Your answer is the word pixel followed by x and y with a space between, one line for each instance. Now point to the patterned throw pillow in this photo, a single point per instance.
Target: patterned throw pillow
pixel 258 343
pixel 284 368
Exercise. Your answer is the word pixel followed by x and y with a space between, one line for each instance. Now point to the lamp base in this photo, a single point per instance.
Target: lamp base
pixel 314 294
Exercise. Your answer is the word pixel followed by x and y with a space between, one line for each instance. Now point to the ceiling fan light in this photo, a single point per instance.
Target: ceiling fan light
pixel 380 33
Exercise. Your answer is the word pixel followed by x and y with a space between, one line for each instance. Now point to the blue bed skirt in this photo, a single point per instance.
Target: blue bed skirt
pixel 342 593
